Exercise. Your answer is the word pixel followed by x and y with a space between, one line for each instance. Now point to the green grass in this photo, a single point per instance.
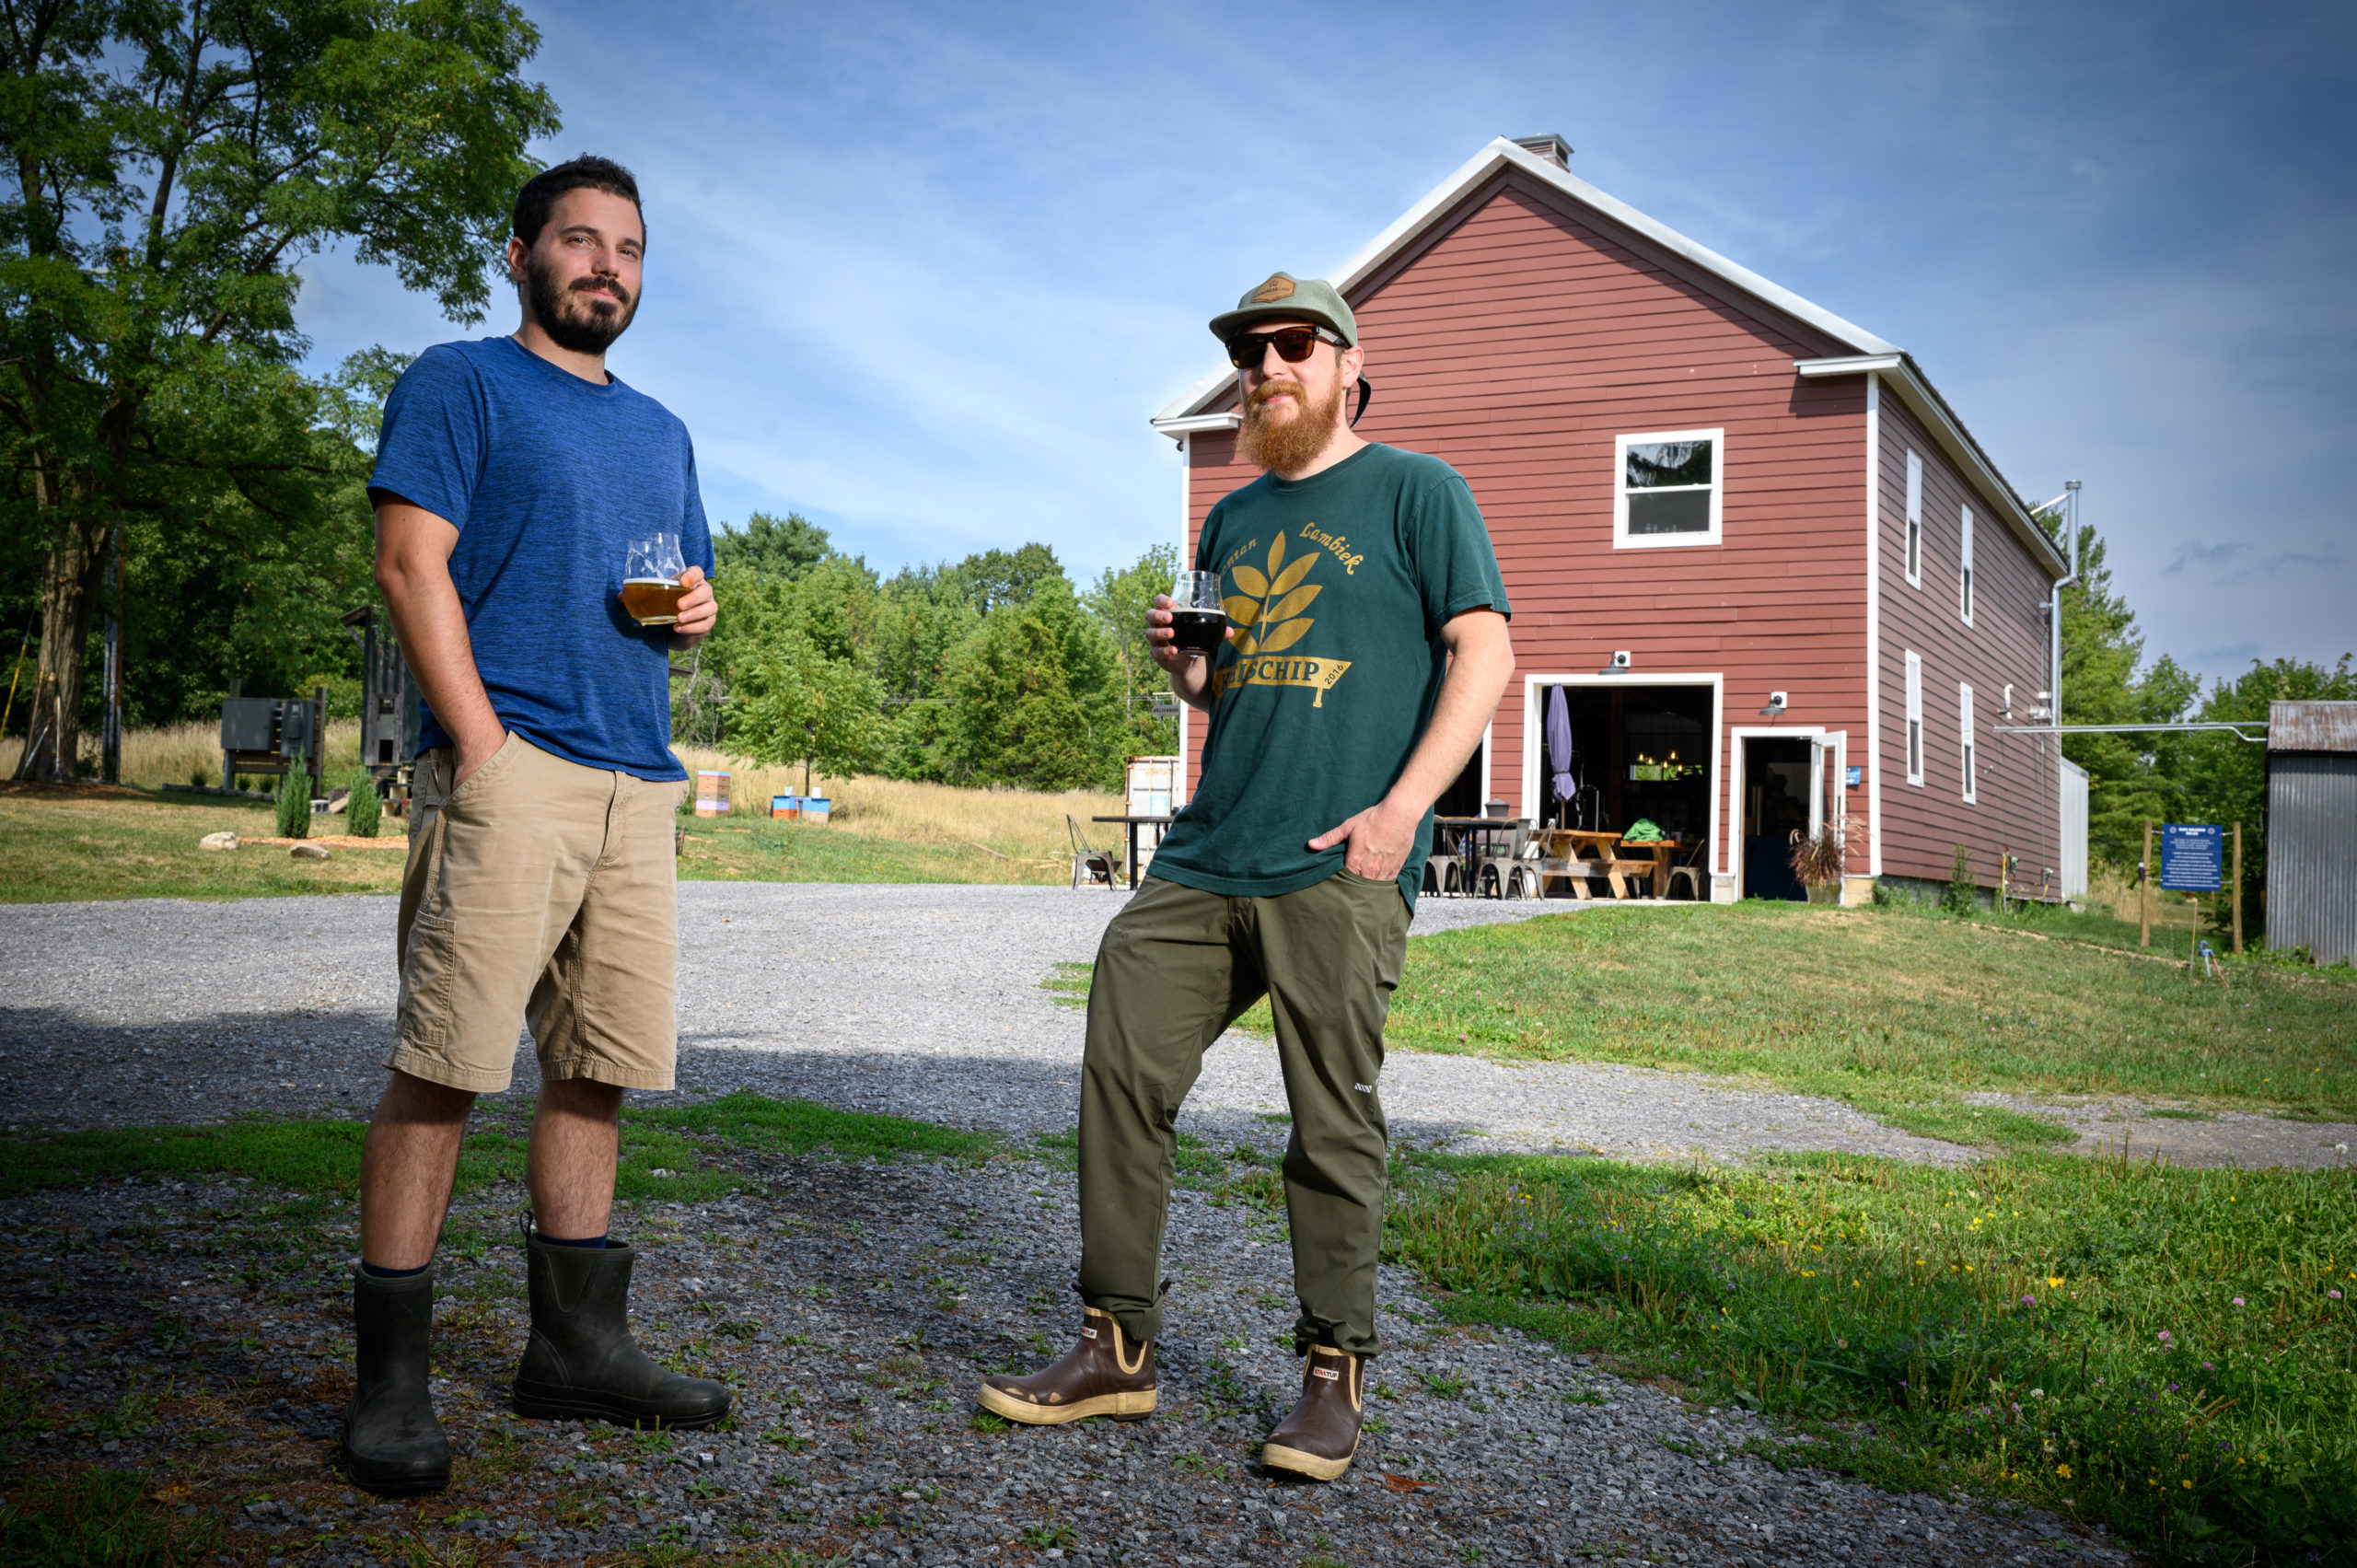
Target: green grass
pixel 2062 1330
pixel 96 1518
pixel 1897 1014
pixel 324 1156
pixel 129 846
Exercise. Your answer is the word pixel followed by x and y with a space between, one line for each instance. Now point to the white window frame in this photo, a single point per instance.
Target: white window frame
pixel 1964 576
pixel 1622 538
pixel 1971 761
pixel 1915 519
pixel 1915 720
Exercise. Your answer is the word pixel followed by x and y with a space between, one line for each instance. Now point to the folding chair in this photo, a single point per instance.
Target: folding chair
pixel 1090 867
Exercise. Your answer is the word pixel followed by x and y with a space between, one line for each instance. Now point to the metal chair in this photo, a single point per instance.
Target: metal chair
pixel 1090 867
pixel 1695 869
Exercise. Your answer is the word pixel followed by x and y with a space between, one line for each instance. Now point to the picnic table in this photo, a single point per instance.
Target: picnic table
pixel 1581 853
pixel 1131 826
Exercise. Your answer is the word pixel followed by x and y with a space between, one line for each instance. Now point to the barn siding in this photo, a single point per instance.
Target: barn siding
pixel 2019 797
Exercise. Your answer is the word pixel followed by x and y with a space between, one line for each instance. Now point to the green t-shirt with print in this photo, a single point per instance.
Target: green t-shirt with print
pixel 1339 585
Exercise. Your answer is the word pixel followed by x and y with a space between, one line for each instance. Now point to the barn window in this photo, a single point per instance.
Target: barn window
pixel 1667 492
pixel 1915 519
pixel 1964 737
pixel 1915 718
pixel 1964 590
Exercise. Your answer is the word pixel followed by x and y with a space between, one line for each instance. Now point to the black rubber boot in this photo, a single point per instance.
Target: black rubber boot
pixel 393 1444
pixel 581 1361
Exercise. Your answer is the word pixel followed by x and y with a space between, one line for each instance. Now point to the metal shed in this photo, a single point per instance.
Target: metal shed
pixel 2312 829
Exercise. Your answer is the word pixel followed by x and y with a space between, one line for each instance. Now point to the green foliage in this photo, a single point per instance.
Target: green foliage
pixel 771 547
pixel 295 802
pixel 992 670
pixel 148 265
pixel 2159 1348
pixel 363 811
pixel 1959 897
pixel 99 1518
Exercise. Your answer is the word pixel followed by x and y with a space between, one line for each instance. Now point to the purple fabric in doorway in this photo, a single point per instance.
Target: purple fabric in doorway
pixel 1559 743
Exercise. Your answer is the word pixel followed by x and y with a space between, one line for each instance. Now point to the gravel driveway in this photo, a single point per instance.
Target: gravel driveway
pixel 856 1304
pixel 920 1001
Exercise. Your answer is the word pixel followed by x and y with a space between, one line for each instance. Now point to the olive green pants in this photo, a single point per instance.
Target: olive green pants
pixel 1176 968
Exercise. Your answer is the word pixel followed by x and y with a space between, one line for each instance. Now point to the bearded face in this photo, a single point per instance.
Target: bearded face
pixel 1286 437
pixel 584 316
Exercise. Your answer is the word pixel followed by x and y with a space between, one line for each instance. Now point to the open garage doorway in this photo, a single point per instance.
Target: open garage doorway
pixel 1639 754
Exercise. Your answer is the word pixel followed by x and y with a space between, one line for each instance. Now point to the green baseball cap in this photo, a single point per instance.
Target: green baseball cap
pixel 1285 297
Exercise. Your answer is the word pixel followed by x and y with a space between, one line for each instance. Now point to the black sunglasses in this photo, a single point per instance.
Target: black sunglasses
pixel 1248 350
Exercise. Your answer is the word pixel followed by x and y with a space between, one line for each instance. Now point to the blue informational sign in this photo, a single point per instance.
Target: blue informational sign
pixel 1856 777
pixel 2192 858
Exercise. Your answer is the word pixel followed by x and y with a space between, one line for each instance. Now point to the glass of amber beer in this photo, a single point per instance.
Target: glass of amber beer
pixel 651 588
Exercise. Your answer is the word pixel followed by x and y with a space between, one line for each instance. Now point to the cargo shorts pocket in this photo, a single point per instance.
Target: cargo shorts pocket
pixel 429 972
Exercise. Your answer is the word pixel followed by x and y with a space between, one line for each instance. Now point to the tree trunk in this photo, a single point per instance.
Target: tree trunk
pixel 69 589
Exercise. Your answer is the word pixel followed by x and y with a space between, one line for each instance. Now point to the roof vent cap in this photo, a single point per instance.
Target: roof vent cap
pixel 1553 149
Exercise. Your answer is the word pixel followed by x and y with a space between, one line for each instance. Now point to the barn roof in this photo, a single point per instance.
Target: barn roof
pixel 2312 727
pixel 1195 411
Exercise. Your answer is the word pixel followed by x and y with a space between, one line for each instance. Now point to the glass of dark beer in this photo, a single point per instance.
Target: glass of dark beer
pixel 650 587
pixel 1197 621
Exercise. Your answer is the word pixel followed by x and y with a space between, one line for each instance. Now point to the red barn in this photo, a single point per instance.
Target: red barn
pixel 1706 493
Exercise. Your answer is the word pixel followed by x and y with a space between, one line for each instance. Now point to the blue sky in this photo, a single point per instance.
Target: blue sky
pixel 922 272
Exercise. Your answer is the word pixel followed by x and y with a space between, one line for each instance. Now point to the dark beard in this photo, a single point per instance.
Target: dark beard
pixel 1290 447
pixel 586 324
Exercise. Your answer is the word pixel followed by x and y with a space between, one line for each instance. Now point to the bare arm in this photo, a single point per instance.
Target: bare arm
pixel 413 570
pixel 1481 662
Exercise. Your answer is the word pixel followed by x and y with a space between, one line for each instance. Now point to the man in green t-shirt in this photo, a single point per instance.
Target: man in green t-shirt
pixel 1366 650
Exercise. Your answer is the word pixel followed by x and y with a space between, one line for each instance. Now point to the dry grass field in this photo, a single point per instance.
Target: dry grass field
pixel 89 842
pixel 187 753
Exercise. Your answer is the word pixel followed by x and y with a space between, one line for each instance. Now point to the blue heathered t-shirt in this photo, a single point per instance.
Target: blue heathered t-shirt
pixel 547 477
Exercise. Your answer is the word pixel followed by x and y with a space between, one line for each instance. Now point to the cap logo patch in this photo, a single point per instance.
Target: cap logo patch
pixel 1279 287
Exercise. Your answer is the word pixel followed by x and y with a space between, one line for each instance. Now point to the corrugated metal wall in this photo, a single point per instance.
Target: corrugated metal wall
pixel 2312 854
pixel 2074 831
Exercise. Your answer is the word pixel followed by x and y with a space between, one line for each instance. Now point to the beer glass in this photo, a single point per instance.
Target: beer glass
pixel 1198 622
pixel 651 588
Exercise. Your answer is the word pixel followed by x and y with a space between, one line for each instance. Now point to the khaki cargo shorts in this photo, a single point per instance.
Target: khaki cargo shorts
pixel 541 892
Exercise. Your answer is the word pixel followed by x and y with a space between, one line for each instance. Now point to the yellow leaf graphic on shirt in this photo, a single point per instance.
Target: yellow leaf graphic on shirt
pixel 1251 582
pixel 1291 575
pixel 1277 556
pixel 1285 634
pixel 1242 611
pixel 1297 601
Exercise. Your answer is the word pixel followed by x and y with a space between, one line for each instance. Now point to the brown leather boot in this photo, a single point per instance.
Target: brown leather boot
pixel 1319 1438
pixel 1106 1374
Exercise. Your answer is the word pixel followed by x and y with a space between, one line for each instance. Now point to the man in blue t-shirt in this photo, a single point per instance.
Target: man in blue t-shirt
pixel 518 486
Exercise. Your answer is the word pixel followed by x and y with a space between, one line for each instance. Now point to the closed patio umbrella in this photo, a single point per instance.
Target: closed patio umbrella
pixel 1559 744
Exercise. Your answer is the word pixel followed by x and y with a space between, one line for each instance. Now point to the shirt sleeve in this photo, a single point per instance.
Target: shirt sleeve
pixel 1455 568
pixel 695 531
pixel 431 448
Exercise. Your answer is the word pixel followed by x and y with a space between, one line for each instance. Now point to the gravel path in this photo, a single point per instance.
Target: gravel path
pixel 918 1001
pixel 856 1307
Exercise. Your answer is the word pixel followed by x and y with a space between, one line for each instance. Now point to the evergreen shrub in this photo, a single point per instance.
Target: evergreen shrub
pixel 1961 896
pixel 362 809
pixel 295 802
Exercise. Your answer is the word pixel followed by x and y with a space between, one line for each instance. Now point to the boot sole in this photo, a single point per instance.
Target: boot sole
pixel 1135 1406
pixel 394 1486
pixel 577 1408
pixel 1277 1456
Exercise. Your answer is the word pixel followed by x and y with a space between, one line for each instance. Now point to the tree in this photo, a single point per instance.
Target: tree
pixel 2105 682
pixel 998 576
pixel 771 547
pixel 794 702
pixel 168 162
pixel 1119 601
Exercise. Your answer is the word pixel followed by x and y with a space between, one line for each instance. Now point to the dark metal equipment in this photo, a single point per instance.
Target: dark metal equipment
pixel 389 698
pixel 272 736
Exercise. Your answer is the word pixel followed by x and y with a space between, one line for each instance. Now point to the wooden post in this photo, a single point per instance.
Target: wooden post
pixel 2144 893
pixel 2238 890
